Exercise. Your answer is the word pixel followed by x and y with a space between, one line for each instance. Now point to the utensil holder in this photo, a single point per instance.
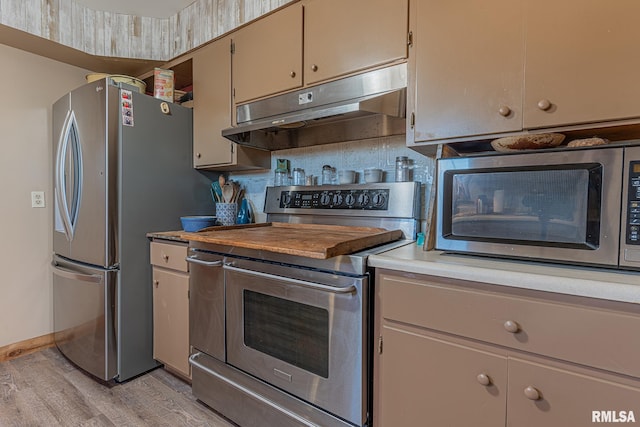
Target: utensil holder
pixel 226 213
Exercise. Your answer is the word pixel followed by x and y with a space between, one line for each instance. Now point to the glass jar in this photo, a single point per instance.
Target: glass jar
pixel 328 175
pixel 298 176
pixel 281 178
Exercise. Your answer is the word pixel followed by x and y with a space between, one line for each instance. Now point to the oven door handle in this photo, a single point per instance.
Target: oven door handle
pixel 194 362
pixel 195 260
pixel 326 288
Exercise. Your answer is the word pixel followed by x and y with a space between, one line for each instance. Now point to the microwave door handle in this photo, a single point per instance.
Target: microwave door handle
pixel 193 361
pixel 333 289
pixel 194 260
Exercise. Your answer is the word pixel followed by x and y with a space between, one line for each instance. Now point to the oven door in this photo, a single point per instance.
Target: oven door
pixel 302 331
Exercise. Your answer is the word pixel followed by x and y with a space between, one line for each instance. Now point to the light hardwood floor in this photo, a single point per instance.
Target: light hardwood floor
pixel 44 389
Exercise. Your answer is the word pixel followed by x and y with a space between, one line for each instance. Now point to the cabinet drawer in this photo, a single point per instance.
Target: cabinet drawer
pixel 169 255
pixel 563 329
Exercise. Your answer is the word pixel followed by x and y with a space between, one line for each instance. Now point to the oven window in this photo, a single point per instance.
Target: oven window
pixel 549 207
pixel 289 331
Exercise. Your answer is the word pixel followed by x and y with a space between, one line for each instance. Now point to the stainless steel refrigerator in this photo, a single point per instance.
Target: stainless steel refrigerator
pixel 122 165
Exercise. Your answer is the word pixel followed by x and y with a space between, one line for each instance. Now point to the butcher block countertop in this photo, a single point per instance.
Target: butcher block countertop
pixel 308 240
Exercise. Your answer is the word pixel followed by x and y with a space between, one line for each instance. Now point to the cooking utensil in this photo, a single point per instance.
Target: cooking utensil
pixel 216 192
pixel 239 195
pixel 227 192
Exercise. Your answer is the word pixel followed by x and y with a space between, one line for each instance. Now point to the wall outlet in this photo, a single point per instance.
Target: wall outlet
pixel 37 199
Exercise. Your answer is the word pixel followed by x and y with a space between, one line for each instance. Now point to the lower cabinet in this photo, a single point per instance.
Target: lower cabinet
pixel 430 382
pixel 171 306
pixel 430 377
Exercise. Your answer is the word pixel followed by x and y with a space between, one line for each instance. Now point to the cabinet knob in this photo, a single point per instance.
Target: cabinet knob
pixel 511 326
pixel 532 393
pixel 198 155
pixel 314 67
pixel 544 104
pixel 292 74
pixel 156 283
pixel 165 257
pixel 504 111
pixel 484 379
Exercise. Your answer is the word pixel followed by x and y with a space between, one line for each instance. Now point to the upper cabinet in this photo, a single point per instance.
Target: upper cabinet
pixel 267 55
pixel 478 70
pixel 314 41
pixel 466 68
pixel 581 63
pixel 212 113
pixel 342 37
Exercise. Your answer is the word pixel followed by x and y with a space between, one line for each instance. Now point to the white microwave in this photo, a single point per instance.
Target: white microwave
pixel 577 206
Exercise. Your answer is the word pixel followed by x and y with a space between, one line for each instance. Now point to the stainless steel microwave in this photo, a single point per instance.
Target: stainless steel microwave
pixel 579 206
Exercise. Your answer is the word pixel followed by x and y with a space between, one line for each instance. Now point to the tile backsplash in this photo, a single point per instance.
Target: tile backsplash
pixel 356 155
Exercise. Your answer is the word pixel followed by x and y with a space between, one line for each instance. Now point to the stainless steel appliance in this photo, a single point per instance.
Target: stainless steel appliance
pixel 367 105
pixel 285 339
pixel 122 168
pixel 577 206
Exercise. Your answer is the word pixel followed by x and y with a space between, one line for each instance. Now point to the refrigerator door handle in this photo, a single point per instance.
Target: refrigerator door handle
pixel 74 275
pixel 69 135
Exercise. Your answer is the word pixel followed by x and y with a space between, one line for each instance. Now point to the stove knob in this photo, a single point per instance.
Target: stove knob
pixel 363 199
pixel 286 199
pixel 350 199
pixel 378 199
pixel 325 199
pixel 337 199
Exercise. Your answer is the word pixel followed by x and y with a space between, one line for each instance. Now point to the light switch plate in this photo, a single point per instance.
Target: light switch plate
pixel 37 199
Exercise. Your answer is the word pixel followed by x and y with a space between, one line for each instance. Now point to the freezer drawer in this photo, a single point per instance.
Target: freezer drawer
pixel 83 316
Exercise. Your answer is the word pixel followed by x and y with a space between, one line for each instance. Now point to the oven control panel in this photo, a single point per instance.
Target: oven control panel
pixel 363 199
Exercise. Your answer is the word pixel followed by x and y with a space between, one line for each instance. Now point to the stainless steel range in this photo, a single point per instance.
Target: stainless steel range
pixel 282 339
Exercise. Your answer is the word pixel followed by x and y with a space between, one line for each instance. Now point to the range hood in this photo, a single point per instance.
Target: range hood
pixel 368 105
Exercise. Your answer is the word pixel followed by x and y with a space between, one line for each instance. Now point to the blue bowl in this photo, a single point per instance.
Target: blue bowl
pixel 197 222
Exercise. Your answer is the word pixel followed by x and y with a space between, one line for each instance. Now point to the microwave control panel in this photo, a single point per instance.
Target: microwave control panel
pixel 633 214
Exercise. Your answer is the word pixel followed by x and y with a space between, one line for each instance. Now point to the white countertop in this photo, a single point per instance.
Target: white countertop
pixel 614 285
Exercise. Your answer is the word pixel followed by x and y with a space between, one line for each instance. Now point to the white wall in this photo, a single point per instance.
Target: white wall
pixel 30 85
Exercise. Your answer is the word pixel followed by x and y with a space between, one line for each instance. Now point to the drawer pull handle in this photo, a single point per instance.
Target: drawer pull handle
pixel 504 111
pixel 544 104
pixel 511 326
pixel 165 257
pixel 156 282
pixel 484 379
pixel 532 393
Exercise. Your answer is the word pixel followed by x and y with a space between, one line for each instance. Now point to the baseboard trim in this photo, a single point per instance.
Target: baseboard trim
pixel 29 346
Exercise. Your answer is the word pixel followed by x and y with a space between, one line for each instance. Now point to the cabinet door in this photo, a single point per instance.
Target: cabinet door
pixel 565 398
pixel 267 56
pixel 171 319
pixel 212 104
pixel 428 381
pixel 342 37
pixel 467 68
pixel 582 61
